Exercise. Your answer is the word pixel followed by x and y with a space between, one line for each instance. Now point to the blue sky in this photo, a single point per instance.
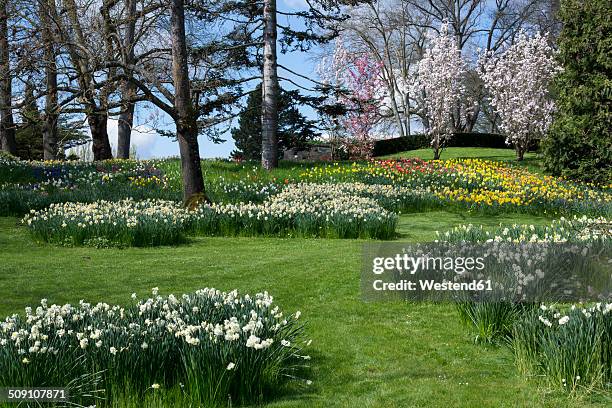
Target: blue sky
pixel 150 145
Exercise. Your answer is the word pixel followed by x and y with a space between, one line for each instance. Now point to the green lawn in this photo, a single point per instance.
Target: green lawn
pixel 530 161
pixel 364 354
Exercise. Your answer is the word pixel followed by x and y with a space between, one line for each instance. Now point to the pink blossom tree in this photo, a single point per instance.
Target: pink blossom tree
pixel 359 76
pixel 518 81
pixel 439 88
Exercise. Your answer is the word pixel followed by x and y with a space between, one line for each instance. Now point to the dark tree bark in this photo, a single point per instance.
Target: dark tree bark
pixel 128 90
pixel 49 126
pixel 269 105
pixel 97 120
pixel 7 126
pixel 99 135
pixel 186 118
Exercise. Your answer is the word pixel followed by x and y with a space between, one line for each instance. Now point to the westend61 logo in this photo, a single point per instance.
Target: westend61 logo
pixel 495 271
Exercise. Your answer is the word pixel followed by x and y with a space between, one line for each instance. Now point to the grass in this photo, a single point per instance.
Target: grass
pixel 531 160
pixel 364 354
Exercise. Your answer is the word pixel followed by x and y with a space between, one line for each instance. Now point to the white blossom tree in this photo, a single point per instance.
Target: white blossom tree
pixel 439 88
pixel 518 82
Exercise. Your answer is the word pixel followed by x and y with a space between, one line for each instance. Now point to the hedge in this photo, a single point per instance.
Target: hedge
pixel 420 141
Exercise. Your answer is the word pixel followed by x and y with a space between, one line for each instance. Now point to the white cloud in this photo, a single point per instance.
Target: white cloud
pixel 144 138
pixel 296 4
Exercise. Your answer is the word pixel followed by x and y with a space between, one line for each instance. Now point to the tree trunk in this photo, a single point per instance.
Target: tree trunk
pixel 186 124
pixel 436 147
pixel 520 153
pixel 128 90
pixel 193 181
pixel 50 133
pixel 99 135
pixel 407 114
pixel 7 125
pixel 126 121
pixel 269 108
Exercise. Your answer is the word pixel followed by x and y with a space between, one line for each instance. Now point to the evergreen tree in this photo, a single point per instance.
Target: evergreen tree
pixel 579 144
pixel 29 133
pixel 294 129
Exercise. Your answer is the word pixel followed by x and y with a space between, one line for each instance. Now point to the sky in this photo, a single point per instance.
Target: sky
pixel 149 144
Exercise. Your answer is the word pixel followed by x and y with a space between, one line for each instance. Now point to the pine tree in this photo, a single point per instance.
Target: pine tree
pixel 294 129
pixel 29 132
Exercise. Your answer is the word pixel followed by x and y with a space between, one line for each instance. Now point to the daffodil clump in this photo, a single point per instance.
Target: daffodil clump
pixel 570 348
pixel 211 345
pixel 493 319
pixel 126 223
pixel 242 191
pixel 310 210
pixel 576 229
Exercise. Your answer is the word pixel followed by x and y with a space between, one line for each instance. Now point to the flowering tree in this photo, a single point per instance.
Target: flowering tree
pixel 360 78
pixel 439 87
pixel 518 81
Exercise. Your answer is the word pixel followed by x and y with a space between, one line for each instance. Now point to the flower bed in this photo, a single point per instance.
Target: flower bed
pixel 577 229
pixel 311 210
pixel 36 185
pixel 210 344
pixel 126 222
pixel 570 348
pixel 299 210
pixel 475 184
pixel 493 319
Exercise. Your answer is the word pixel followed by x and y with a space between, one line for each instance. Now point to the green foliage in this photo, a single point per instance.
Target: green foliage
pixel 294 130
pixel 571 349
pixel 579 144
pixel 29 135
pixel 492 321
pixel 396 145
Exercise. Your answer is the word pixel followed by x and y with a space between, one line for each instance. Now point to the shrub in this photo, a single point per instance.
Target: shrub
pixel 384 147
pixel 215 344
pixel 579 144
